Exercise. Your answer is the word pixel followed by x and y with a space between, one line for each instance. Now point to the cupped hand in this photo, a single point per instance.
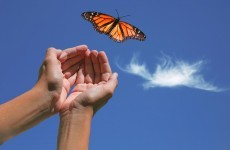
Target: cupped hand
pixel 94 84
pixel 58 71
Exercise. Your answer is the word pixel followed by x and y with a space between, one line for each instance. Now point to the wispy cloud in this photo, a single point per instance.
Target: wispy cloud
pixel 171 73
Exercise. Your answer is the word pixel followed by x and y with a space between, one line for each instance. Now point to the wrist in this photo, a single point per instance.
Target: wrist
pixel 81 111
pixel 74 129
pixel 47 98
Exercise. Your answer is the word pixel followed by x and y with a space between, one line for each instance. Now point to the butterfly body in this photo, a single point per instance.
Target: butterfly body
pixel 117 30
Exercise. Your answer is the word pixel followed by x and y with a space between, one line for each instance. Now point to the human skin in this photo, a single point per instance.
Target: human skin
pixel 46 97
pixel 94 82
pixel 95 85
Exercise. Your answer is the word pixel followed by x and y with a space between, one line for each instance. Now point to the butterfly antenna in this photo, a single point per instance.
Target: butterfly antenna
pixel 121 16
pixel 117 13
pixel 125 16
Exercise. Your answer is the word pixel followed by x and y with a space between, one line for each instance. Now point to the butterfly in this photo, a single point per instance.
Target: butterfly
pixel 117 30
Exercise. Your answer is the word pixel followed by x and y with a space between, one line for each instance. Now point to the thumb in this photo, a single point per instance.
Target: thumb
pixel 112 82
pixel 52 66
pixel 49 61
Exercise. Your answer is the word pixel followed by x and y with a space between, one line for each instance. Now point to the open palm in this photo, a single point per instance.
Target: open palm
pixel 94 83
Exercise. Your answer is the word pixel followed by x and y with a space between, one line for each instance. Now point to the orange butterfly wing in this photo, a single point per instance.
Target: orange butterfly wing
pixel 101 22
pixel 123 31
pixel 117 30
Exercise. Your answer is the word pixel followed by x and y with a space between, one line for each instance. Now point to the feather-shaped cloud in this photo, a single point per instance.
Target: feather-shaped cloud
pixel 169 73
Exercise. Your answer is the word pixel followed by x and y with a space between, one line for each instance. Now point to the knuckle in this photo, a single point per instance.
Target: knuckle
pixel 48 59
pixel 50 49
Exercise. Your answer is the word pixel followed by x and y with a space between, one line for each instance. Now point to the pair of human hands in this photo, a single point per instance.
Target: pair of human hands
pixel 77 78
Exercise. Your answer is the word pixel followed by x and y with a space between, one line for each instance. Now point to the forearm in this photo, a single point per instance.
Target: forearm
pixel 23 112
pixel 74 130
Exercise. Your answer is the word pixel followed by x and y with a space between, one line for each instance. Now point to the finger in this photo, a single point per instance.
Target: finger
pixel 72 61
pixel 52 68
pixel 72 79
pixel 52 52
pixel 89 72
pixel 104 66
pixel 112 83
pixel 80 79
pixel 51 59
pixel 96 66
pixel 51 56
pixel 58 52
pixel 72 52
pixel 71 71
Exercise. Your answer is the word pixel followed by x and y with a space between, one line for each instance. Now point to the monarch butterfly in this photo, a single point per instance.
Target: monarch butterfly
pixel 117 30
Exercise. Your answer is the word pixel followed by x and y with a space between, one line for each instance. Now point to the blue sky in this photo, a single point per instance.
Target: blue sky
pixel 178 117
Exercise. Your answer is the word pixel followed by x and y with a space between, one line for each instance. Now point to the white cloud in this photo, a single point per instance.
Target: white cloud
pixel 169 73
